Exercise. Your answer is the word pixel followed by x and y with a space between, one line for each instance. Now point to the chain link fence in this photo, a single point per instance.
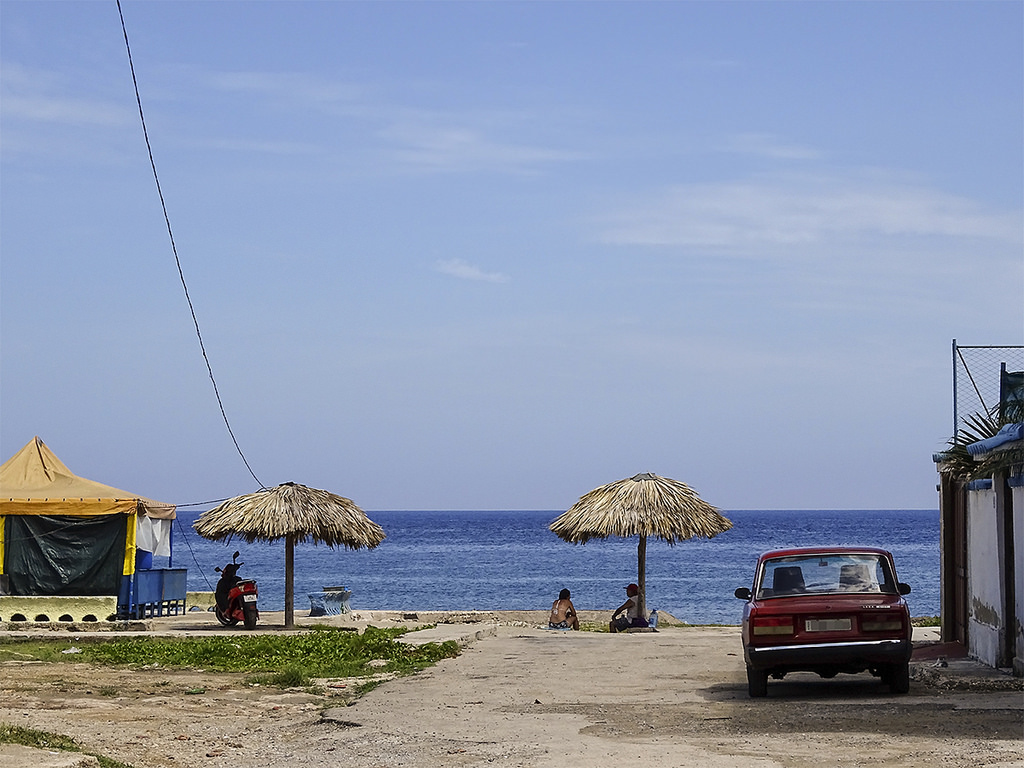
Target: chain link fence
pixel 976 378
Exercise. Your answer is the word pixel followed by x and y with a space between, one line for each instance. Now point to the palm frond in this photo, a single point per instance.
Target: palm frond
pixel 959 464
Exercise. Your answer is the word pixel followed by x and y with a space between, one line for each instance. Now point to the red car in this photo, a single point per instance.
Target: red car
pixel 826 610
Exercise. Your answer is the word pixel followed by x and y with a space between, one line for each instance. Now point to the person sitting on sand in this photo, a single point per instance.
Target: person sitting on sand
pixel 563 613
pixel 632 609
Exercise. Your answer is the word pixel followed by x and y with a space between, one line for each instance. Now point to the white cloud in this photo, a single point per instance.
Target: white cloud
pixel 770 146
pixel 31 95
pixel 433 140
pixel 263 147
pixel 792 211
pixel 465 271
pixel 64 111
pixel 463 148
pixel 287 86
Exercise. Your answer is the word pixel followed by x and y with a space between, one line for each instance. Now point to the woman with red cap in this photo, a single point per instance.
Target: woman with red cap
pixel 632 610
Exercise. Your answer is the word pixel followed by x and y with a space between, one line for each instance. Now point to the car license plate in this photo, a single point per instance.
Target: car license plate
pixel 828 625
pixel 252 599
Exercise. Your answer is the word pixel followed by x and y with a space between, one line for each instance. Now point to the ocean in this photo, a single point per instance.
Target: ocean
pixel 463 560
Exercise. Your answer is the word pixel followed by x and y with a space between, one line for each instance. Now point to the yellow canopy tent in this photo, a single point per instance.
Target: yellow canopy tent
pixel 52 522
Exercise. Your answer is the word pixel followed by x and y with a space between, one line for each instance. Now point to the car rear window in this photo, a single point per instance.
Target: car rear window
pixel 835 573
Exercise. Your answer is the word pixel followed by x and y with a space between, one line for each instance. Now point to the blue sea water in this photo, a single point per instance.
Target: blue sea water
pixel 466 560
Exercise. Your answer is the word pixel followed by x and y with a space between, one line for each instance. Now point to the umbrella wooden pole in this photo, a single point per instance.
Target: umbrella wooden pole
pixel 289 581
pixel 641 574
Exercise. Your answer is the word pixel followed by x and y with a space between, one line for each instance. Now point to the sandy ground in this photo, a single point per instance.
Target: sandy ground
pixel 524 696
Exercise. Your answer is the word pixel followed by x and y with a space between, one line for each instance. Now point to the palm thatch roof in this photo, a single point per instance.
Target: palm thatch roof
pixel 645 505
pixel 290 509
pixel 294 513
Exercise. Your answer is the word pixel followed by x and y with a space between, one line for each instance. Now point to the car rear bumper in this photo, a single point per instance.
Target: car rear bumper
pixel 805 656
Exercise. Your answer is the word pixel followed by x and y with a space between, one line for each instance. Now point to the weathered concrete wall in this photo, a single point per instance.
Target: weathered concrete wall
pixel 47 609
pixel 202 601
pixel 985 586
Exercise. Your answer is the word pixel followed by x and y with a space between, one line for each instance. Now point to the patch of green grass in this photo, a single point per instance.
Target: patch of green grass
pixel 292 676
pixel 34 650
pixel 926 621
pixel 13 734
pixel 321 652
pixel 366 687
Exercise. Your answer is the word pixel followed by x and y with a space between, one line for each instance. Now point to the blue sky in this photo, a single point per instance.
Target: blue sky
pixel 492 255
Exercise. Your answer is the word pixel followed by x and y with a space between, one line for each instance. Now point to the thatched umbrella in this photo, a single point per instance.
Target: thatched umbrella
pixel 644 505
pixel 294 513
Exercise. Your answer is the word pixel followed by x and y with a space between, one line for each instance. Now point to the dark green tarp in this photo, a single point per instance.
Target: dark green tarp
pixel 64 554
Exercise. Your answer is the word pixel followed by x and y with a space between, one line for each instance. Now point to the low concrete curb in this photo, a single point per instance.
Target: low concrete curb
pixel 963 675
pixel 462 634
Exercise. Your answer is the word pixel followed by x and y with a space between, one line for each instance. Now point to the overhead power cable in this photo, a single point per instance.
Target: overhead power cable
pixel 174 249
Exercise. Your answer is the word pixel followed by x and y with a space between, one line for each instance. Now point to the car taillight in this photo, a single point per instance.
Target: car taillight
pixel 773 625
pixel 881 625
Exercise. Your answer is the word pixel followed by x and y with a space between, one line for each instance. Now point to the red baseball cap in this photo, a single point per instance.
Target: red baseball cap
pixel 632 588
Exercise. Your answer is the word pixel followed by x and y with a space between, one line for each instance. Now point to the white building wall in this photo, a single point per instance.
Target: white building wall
pixel 985 585
pixel 1018 578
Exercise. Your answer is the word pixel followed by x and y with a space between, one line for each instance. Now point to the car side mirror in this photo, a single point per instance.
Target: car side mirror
pixel 903 589
pixel 742 593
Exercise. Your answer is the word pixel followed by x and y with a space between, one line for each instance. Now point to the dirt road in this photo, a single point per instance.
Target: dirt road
pixel 526 697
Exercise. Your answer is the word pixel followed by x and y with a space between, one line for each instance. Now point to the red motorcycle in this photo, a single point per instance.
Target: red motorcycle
pixel 235 596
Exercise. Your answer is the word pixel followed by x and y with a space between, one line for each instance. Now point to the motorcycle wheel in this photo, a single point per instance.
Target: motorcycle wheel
pixel 223 618
pixel 250 614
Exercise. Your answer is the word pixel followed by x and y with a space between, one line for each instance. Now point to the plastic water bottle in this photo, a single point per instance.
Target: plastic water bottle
pixel 653 621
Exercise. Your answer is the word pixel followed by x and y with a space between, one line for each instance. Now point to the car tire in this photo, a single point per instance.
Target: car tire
pixel 757 682
pixel 898 678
